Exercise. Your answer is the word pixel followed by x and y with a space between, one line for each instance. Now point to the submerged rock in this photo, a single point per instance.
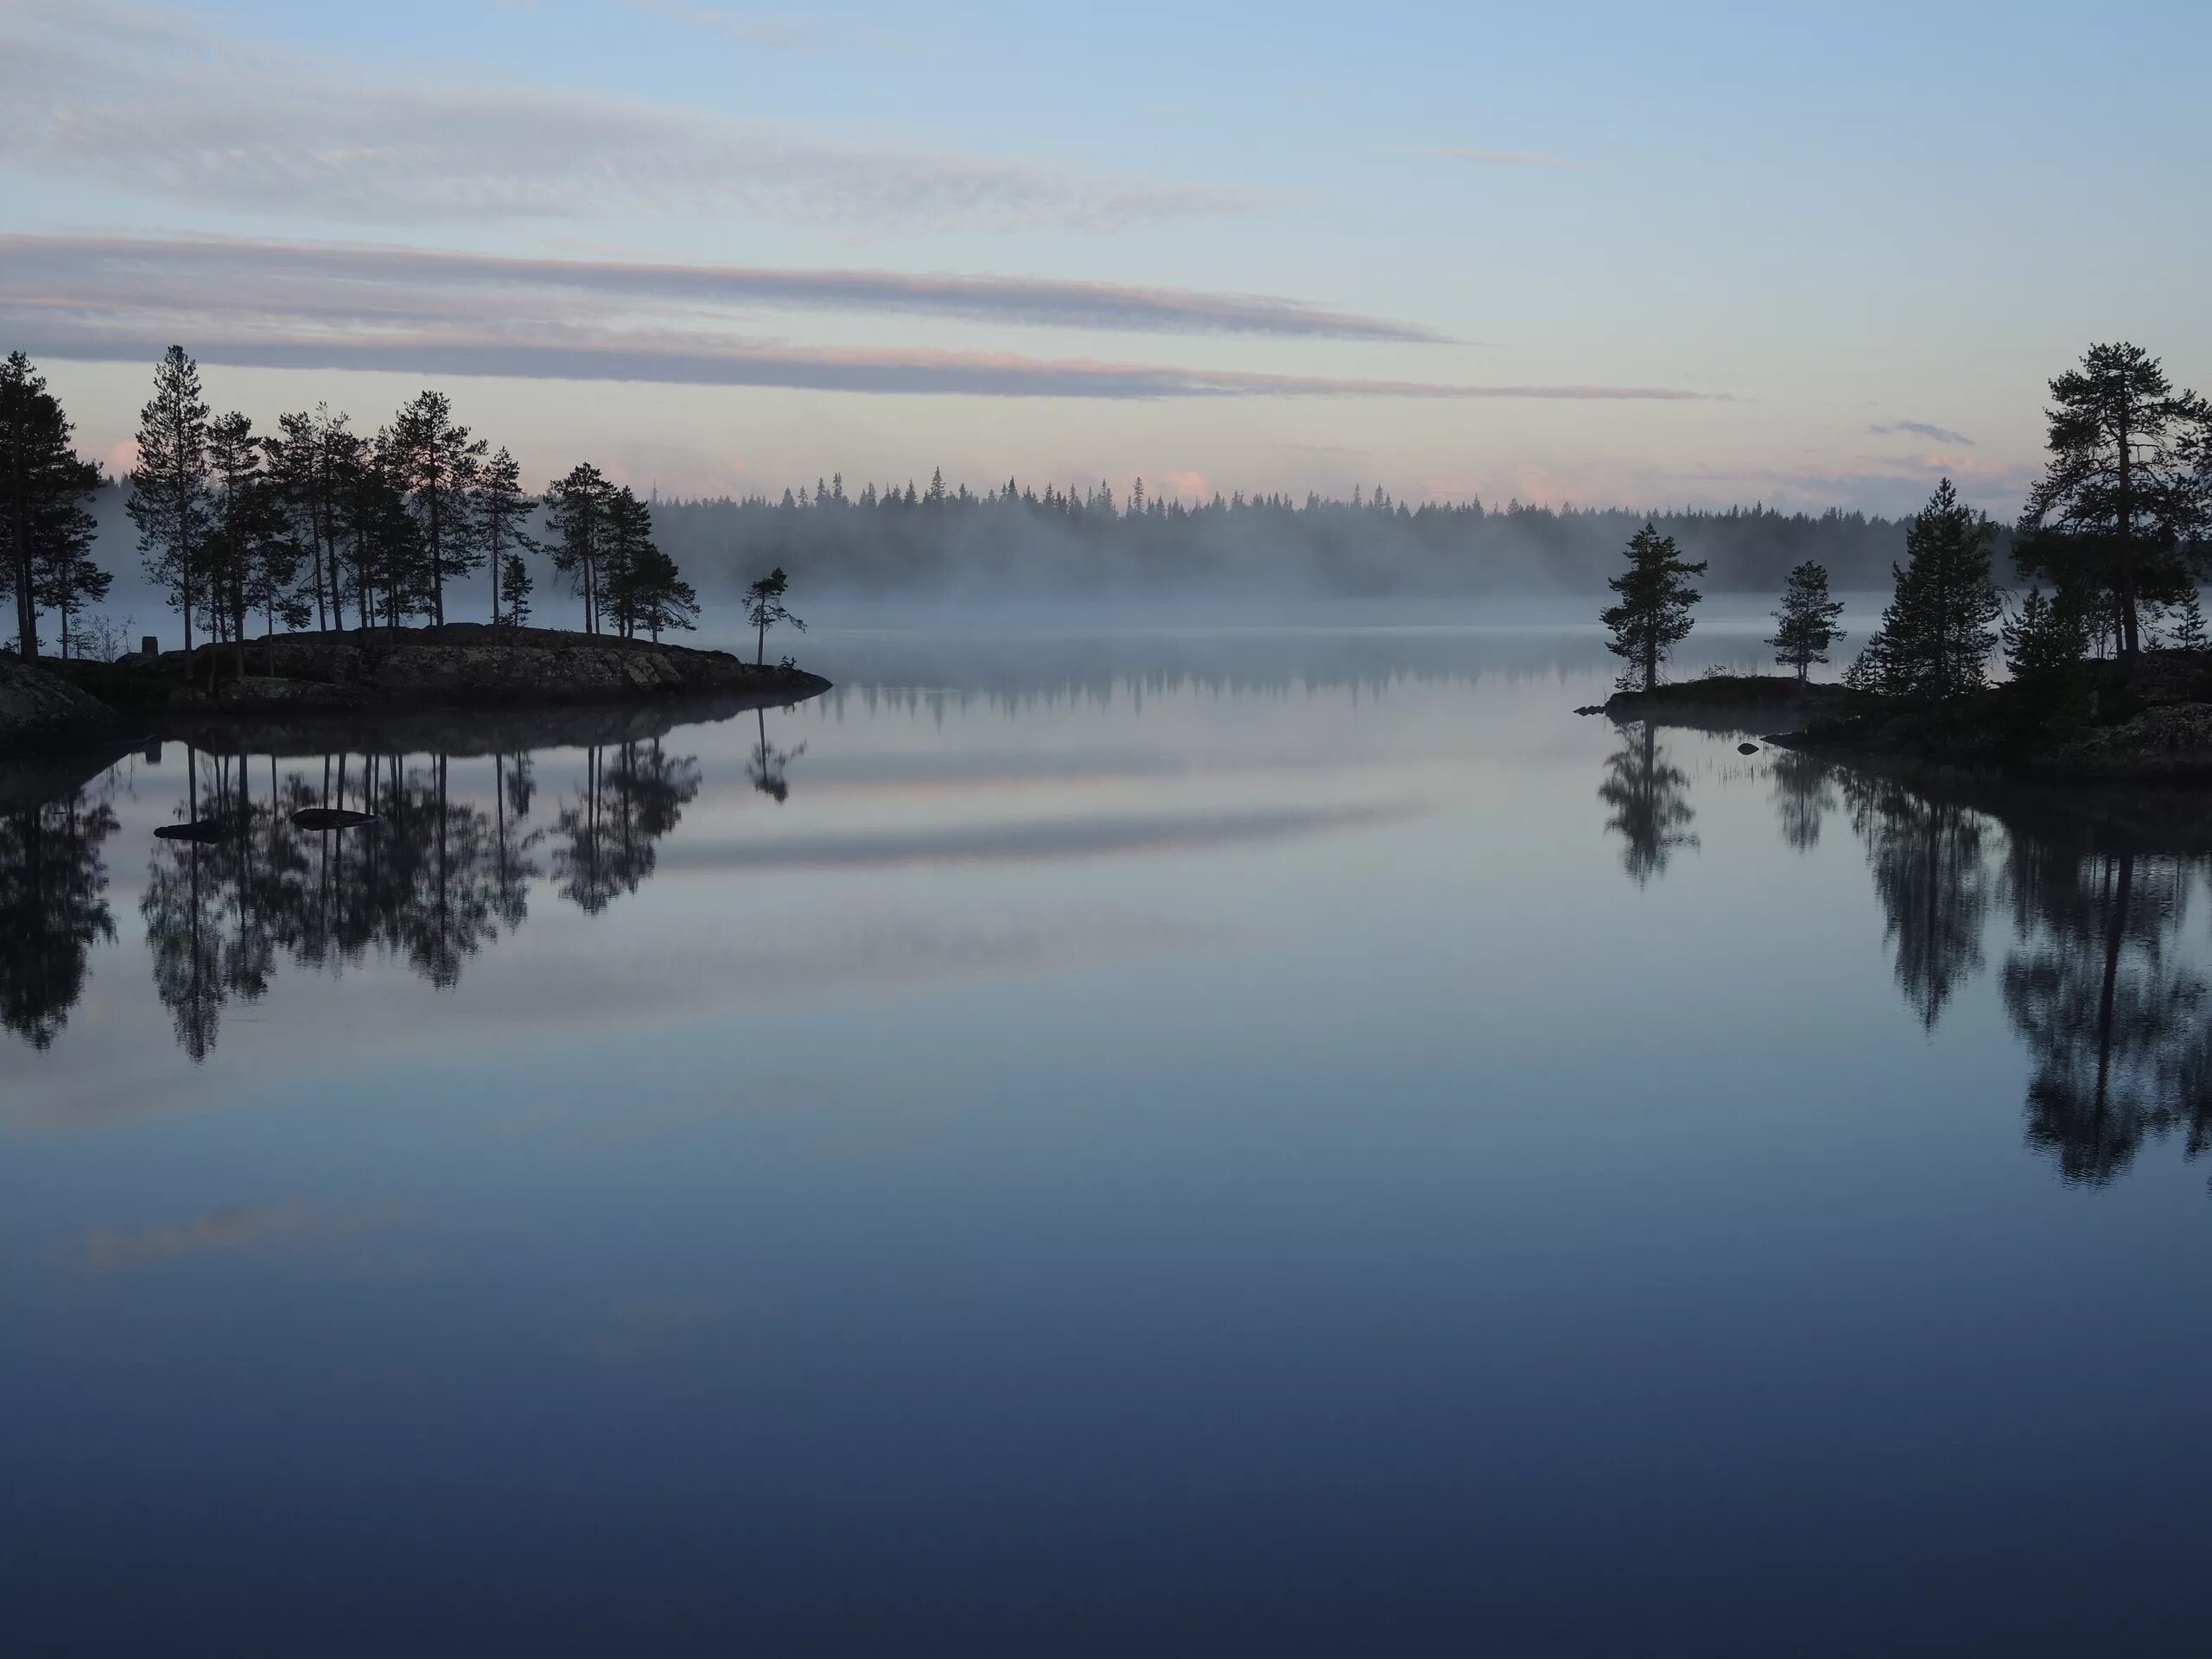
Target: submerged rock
pixel 331 818
pixel 207 832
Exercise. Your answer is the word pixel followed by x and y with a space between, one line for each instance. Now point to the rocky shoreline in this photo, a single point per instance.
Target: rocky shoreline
pixel 2153 727
pixel 462 671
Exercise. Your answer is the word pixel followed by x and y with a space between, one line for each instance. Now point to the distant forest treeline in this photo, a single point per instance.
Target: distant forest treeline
pixel 1018 541
pixel 1040 543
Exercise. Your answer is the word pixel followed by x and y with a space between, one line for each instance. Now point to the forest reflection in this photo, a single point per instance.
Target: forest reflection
pixel 2100 983
pixel 241 890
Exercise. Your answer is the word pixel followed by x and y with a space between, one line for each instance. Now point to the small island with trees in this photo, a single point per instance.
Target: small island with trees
pixel 339 551
pixel 2108 669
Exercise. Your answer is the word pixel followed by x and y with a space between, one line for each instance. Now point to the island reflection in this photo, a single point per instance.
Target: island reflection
pixel 2112 1012
pixel 237 892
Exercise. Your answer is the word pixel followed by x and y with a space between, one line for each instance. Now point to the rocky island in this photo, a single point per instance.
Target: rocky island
pixel 2112 725
pixel 451 670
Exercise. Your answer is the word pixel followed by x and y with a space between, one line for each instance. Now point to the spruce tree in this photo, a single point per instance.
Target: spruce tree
pixel 2046 647
pixel 2124 504
pixel 1807 620
pixel 1935 636
pixel 628 538
pixel 168 488
pixel 2188 622
pixel 515 587
pixel 1654 614
pixel 46 534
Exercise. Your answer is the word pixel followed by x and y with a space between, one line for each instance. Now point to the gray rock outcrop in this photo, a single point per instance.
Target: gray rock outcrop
pixel 39 711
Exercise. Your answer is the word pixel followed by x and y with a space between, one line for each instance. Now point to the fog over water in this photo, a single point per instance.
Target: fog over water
pixel 1095 1140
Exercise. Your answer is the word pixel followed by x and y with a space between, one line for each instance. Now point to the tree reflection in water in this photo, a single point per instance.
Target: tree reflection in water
pixel 2117 1028
pixel 632 795
pixel 767 765
pixel 1928 873
pixel 53 908
pixel 432 882
pixel 2117 1025
pixel 1649 796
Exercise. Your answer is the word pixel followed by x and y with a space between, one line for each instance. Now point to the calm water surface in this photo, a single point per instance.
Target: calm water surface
pixel 1240 1141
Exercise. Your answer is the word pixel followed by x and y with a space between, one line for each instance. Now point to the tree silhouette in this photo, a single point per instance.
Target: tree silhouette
pixel 2124 504
pixel 1647 795
pixel 764 609
pixel 46 534
pixel 1935 636
pixel 436 464
pixel 1806 623
pixel 1654 613
pixel 502 513
pixel 168 492
pixel 580 503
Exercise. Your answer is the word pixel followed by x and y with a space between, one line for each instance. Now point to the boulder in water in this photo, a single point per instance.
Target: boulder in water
pixel 1747 748
pixel 330 818
pixel 206 831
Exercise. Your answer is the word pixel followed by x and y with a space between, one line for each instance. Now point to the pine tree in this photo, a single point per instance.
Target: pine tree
pixel 580 503
pixel 1807 620
pixel 660 597
pixel 306 462
pixel 436 464
pixel 1936 635
pixel 1654 614
pixel 2126 502
pixel 627 538
pixel 764 609
pixel 46 535
pixel 503 515
pixel 168 492
pixel 243 517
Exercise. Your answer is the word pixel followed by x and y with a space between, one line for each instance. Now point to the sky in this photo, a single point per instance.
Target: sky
pixel 1600 254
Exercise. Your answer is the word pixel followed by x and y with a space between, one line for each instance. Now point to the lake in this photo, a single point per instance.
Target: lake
pixel 1256 1140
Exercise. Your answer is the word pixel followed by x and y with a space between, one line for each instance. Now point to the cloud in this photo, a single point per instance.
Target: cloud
pixel 352 282
pixel 550 352
pixel 237 1228
pixel 1919 429
pixel 1491 157
pixel 142 100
